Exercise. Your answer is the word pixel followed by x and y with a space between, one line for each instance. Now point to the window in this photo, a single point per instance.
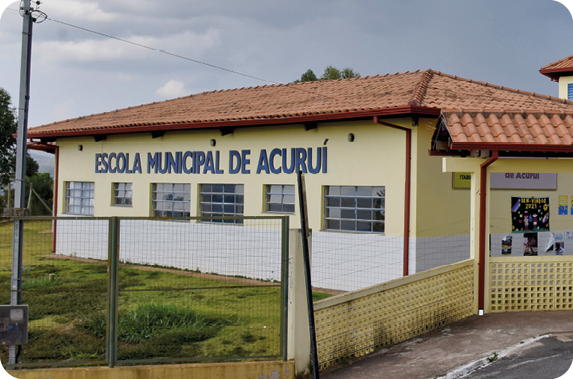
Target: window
pixel 570 91
pixel 279 198
pixel 122 194
pixel 222 200
pixel 80 198
pixel 170 200
pixel 358 209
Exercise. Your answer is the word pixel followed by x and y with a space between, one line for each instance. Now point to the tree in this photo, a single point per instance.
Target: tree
pixel 42 184
pixel 32 166
pixel 349 73
pixel 330 73
pixel 308 76
pixel 8 127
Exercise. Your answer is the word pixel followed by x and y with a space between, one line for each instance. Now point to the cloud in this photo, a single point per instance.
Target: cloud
pixel 78 11
pixel 100 50
pixel 483 40
pixel 172 89
pixel 55 52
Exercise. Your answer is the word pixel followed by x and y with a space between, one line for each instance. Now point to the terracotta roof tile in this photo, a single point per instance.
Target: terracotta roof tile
pixel 562 67
pixel 324 99
pixel 503 130
pixel 509 129
pixel 566 62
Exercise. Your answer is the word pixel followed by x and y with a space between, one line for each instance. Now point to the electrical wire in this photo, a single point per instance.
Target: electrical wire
pixel 177 55
pixel 160 51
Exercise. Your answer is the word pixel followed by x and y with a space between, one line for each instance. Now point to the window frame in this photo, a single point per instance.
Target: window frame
pixel 86 194
pixel 186 201
pixel 115 197
pixel 209 203
pixel 349 204
pixel 268 196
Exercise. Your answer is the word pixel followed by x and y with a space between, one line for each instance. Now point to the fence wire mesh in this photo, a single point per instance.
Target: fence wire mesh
pixel 199 289
pixel 186 290
pixel 61 294
pixel 350 261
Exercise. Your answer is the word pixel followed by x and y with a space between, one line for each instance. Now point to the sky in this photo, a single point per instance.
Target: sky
pixel 77 73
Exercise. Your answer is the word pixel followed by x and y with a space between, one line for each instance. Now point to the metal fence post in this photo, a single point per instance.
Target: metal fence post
pixel 284 286
pixel 16 280
pixel 113 293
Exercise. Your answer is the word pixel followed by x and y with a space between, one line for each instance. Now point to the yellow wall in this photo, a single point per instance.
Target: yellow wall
pixel 375 158
pixel 500 211
pixel 441 210
pixel 563 82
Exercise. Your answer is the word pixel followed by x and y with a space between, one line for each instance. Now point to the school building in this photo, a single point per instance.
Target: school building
pixel 372 150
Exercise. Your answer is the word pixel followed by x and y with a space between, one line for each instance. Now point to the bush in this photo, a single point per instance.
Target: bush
pixel 162 324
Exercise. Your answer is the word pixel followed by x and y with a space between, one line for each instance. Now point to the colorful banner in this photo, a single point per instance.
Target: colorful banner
pixel 563 204
pixel 529 214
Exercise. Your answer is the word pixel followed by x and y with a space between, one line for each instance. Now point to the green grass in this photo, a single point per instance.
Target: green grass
pixel 316 296
pixel 161 314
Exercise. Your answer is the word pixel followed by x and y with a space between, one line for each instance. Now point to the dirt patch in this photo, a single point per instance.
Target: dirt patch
pixel 168 270
pixel 188 273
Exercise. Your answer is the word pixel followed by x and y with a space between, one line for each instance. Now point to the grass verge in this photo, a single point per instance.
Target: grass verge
pixel 161 314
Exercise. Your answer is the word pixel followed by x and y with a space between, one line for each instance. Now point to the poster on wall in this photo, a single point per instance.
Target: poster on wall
pixel 563 206
pixel 556 243
pixel 559 244
pixel 506 245
pixel 530 244
pixel 529 214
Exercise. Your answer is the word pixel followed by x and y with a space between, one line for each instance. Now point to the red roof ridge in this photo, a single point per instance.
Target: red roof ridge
pixel 420 90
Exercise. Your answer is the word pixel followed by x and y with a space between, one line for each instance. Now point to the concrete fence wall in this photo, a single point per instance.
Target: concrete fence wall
pixel 357 323
pixel 529 283
pixel 340 261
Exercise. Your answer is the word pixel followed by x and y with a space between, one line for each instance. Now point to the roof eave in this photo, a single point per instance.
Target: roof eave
pixel 42 147
pixel 335 116
pixel 555 73
pixel 520 147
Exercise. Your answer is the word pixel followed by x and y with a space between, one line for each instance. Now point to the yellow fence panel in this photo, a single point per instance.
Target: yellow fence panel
pixel 358 322
pixel 530 283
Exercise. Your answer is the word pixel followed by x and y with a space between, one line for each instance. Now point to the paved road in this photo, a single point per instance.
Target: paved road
pixel 547 358
pixel 463 346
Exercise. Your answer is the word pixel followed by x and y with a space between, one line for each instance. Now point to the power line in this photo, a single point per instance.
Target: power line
pixel 154 49
pixel 178 56
pixel 161 51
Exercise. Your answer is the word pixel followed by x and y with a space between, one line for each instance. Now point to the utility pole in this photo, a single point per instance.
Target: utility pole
pixel 19 192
